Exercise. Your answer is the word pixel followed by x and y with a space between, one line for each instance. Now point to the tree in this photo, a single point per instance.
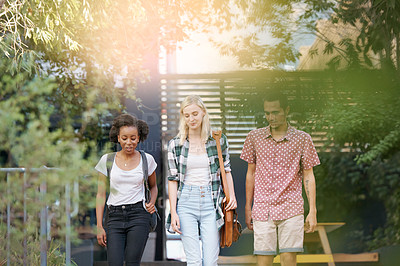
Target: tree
pixel 379 30
pixel 87 44
pixel 57 76
pixel 266 32
pixel 28 139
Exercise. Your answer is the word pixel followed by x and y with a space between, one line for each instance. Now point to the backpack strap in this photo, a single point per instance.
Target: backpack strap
pixel 145 169
pixel 145 166
pixel 109 162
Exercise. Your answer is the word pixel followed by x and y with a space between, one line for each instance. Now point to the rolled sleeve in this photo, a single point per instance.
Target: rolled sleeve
pixel 248 153
pixel 225 153
pixel 309 157
pixel 172 162
pixel 102 165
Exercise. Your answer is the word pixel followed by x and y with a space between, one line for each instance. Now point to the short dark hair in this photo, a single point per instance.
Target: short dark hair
pixel 130 121
pixel 272 96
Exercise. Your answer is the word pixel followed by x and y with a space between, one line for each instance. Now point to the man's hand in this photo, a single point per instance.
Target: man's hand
pixel 247 213
pixel 250 179
pixel 309 187
pixel 311 222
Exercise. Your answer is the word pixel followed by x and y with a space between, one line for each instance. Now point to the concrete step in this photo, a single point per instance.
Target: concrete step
pixel 153 263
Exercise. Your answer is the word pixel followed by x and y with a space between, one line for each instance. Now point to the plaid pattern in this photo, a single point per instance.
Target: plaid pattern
pixel 177 162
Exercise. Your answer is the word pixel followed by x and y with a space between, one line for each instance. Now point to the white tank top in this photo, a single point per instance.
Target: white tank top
pixel 197 170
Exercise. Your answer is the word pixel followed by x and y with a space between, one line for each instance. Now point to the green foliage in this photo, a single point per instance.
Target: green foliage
pixel 55 255
pixel 378 21
pixel 115 36
pixel 364 119
pixel 366 197
pixel 30 139
pixel 91 42
pixel 265 33
pixel 365 116
pixel 386 146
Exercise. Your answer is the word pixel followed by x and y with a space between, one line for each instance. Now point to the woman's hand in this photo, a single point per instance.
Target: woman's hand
pixel 101 237
pixel 176 226
pixel 150 207
pixel 232 204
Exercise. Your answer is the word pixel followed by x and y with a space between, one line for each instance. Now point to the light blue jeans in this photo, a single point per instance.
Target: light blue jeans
pixel 197 216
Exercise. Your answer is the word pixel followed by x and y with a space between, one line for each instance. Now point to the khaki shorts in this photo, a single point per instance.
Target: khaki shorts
pixel 288 234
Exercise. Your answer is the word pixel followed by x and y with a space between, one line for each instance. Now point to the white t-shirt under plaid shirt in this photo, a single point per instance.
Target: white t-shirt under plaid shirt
pixel 177 163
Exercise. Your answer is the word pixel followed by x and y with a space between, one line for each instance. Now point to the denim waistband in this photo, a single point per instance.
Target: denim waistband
pixel 126 206
pixel 196 188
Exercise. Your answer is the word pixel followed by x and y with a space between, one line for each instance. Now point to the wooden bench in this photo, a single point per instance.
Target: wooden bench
pixel 319 236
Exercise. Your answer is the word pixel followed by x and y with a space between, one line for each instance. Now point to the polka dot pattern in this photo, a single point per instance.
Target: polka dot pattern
pixel 279 171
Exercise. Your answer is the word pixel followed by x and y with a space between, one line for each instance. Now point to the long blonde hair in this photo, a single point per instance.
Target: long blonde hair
pixel 205 124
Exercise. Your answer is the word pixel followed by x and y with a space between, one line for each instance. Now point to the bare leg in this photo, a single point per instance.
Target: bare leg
pixel 288 259
pixel 265 260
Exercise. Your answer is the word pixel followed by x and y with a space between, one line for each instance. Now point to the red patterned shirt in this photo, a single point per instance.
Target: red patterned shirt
pixel 279 171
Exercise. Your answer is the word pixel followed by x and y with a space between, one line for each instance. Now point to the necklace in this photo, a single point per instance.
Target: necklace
pixel 126 161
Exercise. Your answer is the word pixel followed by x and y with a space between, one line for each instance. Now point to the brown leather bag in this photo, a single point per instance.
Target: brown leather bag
pixel 231 230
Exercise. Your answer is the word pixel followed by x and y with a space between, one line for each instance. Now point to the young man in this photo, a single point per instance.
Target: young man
pixel 279 158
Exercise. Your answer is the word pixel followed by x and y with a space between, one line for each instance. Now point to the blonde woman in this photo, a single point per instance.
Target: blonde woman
pixel 194 185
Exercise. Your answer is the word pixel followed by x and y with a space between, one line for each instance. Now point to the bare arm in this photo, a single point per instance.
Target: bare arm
pixel 172 195
pixel 309 187
pixel 100 201
pixel 251 170
pixel 153 192
pixel 232 204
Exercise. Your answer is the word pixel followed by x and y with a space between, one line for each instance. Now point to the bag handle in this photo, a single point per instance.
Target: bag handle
pixel 217 136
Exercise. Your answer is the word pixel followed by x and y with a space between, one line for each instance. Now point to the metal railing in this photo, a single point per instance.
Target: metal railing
pixel 44 216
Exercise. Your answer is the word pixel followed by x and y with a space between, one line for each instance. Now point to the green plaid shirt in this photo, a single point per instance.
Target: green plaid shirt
pixel 177 161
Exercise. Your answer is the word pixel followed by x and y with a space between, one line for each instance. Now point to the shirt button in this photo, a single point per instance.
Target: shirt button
pixel 123 206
